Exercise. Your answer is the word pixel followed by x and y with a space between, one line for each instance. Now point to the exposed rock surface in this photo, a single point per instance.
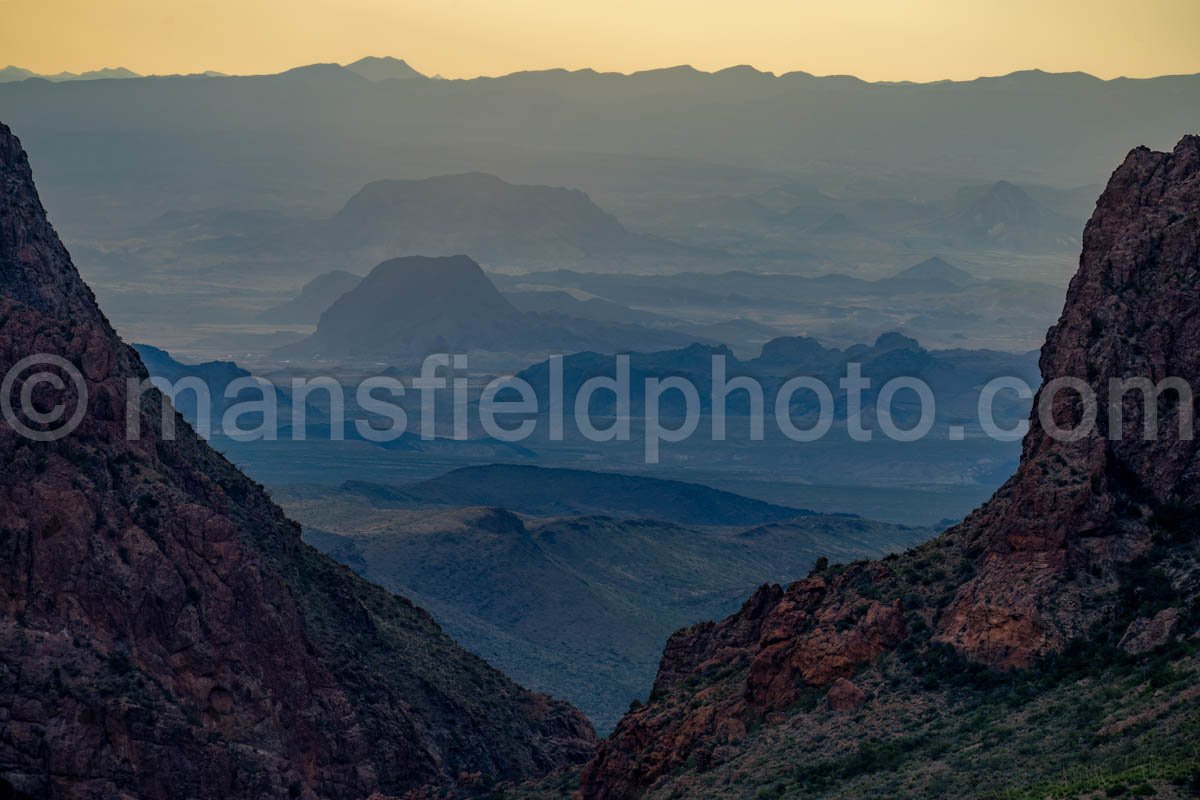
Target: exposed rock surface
pixel 163 630
pixel 1073 509
pixel 1089 536
pixel 845 696
pixel 1146 634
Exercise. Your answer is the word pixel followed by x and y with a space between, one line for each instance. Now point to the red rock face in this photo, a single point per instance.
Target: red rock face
pixel 845 696
pixel 814 634
pixel 163 630
pixel 1044 555
pixel 1078 508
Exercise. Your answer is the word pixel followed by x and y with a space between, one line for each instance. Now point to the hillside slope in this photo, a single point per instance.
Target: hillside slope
pixel 1045 646
pixel 163 630
pixel 578 606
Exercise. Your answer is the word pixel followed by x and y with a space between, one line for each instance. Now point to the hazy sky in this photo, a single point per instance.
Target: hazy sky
pixel 874 39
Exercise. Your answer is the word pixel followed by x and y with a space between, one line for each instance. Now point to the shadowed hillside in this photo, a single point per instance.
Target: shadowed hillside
pixel 163 629
pixel 1045 647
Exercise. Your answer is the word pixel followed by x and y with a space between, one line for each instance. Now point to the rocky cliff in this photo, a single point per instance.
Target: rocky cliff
pixel 163 630
pixel 1051 539
pixel 1090 548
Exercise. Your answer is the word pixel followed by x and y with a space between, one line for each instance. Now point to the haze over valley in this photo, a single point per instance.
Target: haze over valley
pixel 715 433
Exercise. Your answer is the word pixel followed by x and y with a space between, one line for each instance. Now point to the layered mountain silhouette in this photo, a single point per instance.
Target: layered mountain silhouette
pixel 595 308
pixel 955 376
pixel 961 666
pixel 216 376
pixel 315 296
pixel 554 307
pixel 416 305
pixel 163 630
pixel 600 132
pixel 11 73
pixel 542 491
pixel 940 302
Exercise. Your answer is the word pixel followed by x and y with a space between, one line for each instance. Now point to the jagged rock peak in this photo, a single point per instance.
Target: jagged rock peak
pixel 31 254
pixel 1061 555
pixel 1075 508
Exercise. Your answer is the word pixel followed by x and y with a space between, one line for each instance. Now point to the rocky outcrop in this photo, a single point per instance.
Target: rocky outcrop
pixel 1077 508
pixel 163 630
pixel 1092 541
pixel 1146 634
pixel 814 633
pixel 843 695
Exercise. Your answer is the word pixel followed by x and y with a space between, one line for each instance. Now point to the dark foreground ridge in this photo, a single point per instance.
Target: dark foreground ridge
pixel 163 631
pixel 1074 588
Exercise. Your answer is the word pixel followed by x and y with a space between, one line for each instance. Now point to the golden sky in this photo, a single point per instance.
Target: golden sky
pixel 917 40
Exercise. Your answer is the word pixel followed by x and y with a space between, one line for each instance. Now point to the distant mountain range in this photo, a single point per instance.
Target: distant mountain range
pixel 617 137
pixel 10 74
pixel 498 223
pixel 216 376
pixel 765 290
pixel 934 276
pixel 954 376
pixel 420 305
pixel 565 303
pixel 547 492
pixel 999 215
pixel 373 68
pixel 551 304
pixel 935 300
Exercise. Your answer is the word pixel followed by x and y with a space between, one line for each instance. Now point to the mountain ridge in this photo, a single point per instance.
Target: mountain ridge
pixel 164 629
pixel 1083 569
pixel 556 491
pixel 393 63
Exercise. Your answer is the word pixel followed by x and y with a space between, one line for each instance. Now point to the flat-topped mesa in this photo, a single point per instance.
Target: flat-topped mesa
pixel 1075 509
pixel 163 630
